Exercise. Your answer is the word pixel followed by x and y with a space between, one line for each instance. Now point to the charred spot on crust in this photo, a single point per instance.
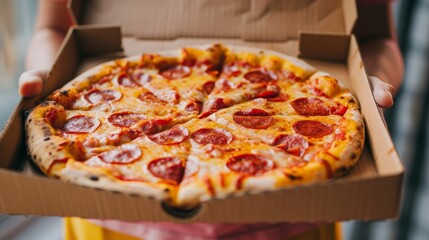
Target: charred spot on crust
pixel 44 104
pixel 229 195
pixel 293 177
pixel 353 155
pixel 46 139
pixel 64 93
pixel 359 144
pixel 166 190
pixel 27 113
pixel 46 131
pixel 93 178
pixel 351 100
pixel 341 171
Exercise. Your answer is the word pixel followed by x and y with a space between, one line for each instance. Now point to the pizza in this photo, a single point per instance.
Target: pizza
pixel 197 124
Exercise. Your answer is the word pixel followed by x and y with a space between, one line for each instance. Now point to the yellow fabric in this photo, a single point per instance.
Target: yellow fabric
pixel 80 229
pixel 325 232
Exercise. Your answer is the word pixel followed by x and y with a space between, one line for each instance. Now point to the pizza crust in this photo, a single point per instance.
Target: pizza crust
pixel 42 144
pixel 78 173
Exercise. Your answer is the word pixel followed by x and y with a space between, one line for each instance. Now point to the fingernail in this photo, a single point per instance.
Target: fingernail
pixel 390 90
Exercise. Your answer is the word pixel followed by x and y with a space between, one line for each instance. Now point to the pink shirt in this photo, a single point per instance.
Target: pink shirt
pixel 206 231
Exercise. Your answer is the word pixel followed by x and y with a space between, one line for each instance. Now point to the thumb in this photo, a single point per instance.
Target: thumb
pixel 383 92
pixel 31 82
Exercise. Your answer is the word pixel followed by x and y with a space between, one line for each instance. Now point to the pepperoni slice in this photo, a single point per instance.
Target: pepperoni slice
pixel 213 105
pixel 253 118
pixel 51 115
pixel 168 168
pixel 294 144
pixel 149 97
pixel 260 76
pixel 339 109
pixel 153 126
pixel 173 135
pixel 282 97
pixel 269 91
pixel 194 106
pixel 312 128
pixel 293 77
pixel 100 96
pixel 190 62
pixel 104 79
pixel 250 164
pixel 224 85
pixel 213 70
pixel 310 107
pixel 218 136
pixel 141 78
pixel 125 119
pixel 175 72
pixel 122 155
pixel 231 71
pixel 126 81
pixel 208 87
pixel 125 135
pixel 81 124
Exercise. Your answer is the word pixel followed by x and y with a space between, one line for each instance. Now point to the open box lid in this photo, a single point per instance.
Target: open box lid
pixel 252 20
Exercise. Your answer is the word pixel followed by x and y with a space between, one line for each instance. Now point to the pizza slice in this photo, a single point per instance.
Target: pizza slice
pixel 227 160
pixel 247 75
pixel 184 79
pixel 149 165
pixel 82 134
pixel 334 139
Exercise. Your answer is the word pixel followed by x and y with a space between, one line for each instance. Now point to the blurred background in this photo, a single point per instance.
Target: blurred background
pixel 407 120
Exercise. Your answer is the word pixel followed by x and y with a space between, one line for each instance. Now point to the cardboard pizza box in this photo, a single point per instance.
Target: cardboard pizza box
pixel 318 31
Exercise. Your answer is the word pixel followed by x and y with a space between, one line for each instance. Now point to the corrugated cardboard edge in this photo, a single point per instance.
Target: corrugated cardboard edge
pixel 380 140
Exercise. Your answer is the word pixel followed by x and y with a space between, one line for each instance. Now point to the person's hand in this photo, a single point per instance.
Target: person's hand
pixel 383 92
pixel 31 82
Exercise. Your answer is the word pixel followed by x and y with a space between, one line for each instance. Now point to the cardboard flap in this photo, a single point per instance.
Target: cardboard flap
pixel 255 20
pixel 331 47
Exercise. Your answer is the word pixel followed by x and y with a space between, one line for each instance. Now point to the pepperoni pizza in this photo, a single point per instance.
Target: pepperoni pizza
pixel 197 124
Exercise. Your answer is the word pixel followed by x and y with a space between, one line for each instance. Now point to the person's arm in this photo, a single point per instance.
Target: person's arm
pixel 380 51
pixel 51 26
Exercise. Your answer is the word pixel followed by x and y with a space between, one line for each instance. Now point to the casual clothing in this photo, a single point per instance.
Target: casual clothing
pixel 79 229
